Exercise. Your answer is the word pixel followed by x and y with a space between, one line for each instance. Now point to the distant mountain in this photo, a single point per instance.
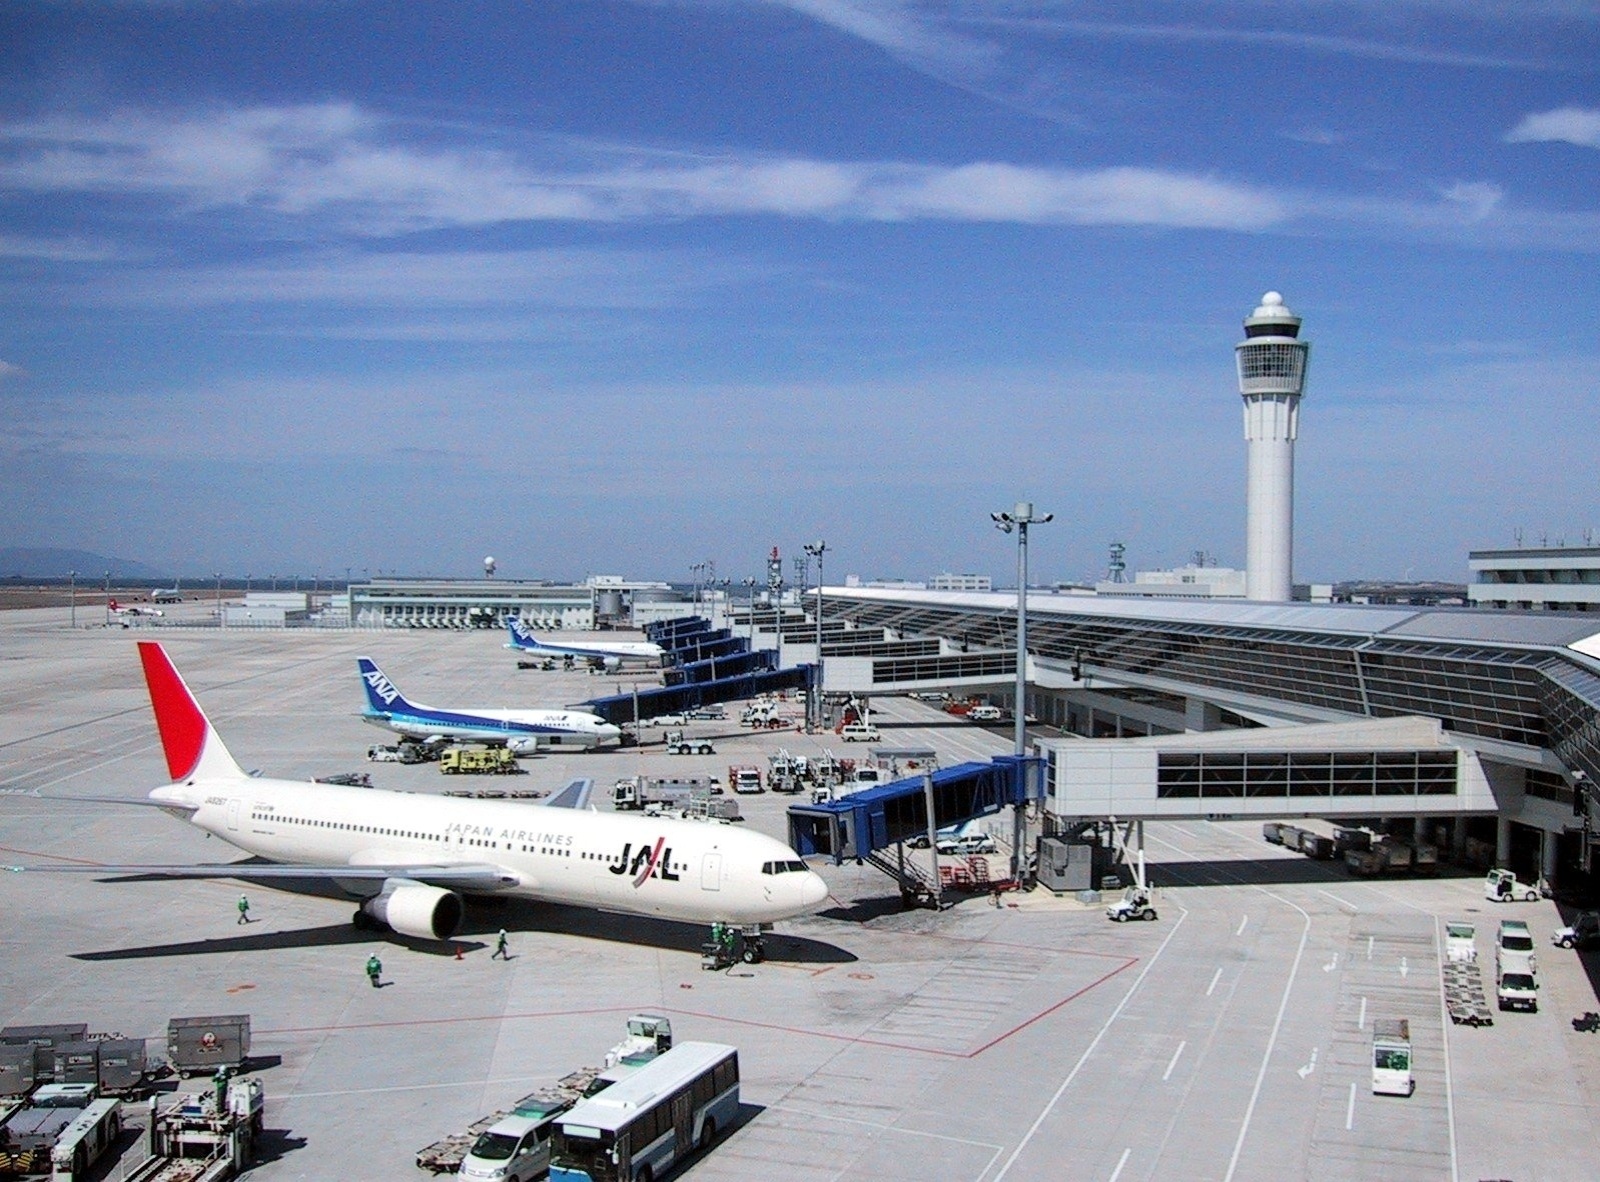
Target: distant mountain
pixel 21 563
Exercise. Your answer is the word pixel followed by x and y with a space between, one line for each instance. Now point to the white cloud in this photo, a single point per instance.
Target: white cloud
pixel 439 281
pixel 1569 125
pixel 55 250
pixel 335 169
pixel 7 370
pixel 338 162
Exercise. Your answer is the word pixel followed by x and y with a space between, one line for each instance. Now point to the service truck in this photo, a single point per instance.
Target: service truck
pixel 632 793
pixel 745 779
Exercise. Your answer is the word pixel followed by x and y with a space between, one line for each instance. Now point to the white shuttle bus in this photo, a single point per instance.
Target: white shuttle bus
pixel 641 1126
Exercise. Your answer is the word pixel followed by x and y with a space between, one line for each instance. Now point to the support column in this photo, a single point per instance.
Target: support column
pixel 1502 842
pixel 1201 715
pixel 1458 838
pixel 1550 848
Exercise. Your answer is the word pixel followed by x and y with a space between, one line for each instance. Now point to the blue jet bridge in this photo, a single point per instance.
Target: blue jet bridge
pixel 868 822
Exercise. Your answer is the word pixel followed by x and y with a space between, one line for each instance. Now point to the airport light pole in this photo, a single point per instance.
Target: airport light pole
pixel 108 599
pixel 750 608
pixel 816 550
pixel 72 590
pixel 1019 519
pixel 217 575
pixel 694 569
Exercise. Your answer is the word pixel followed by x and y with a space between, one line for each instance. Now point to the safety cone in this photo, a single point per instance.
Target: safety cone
pixel 458 953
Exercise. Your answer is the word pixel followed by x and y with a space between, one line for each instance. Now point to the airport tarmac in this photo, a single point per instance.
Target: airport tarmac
pixel 1036 1040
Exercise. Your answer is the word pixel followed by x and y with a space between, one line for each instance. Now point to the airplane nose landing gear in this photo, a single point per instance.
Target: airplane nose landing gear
pixel 729 945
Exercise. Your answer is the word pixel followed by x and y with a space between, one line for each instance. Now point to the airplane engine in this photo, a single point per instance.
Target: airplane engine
pixel 416 909
pixel 610 664
pixel 528 745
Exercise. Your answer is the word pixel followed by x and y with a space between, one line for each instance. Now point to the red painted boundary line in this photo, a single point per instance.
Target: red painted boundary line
pixel 846 1038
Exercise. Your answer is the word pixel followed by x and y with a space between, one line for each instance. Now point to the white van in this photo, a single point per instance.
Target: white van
pixel 985 714
pixel 1517 991
pixel 1513 948
pixel 860 732
pixel 513 1149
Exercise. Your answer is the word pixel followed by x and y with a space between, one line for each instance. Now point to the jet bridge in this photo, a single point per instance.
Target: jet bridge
pixel 675 699
pixel 862 824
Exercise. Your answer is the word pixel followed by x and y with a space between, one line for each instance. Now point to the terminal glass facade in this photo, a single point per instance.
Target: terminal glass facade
pixel 1233 775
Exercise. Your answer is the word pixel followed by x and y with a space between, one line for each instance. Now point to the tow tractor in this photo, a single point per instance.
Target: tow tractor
pixel 1134 904
pixel 1501 886
pixel 680 744
pixel 1582 932
pixel 729 945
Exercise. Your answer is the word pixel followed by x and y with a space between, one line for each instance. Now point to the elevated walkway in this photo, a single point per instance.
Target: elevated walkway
pixel 864 824
pixel 675 699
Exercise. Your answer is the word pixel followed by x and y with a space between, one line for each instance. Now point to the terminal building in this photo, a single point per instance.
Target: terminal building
pixel 1545 578
pixel 1474 725
pixel 602 601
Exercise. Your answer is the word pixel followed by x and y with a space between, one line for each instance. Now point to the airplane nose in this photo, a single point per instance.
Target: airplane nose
pixel 813 890
pixel 609 733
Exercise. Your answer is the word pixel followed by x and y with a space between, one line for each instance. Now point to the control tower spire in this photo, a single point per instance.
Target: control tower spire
pixel 1272 377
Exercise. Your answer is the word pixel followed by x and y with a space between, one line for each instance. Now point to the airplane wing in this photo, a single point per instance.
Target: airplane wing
pixel 574 796
pixel 466 877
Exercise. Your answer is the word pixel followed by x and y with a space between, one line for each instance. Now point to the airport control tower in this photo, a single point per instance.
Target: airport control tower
pixel 1272 376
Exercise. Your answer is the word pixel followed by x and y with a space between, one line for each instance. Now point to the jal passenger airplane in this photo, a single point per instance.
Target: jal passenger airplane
pixel 411 856
pixel 609 654
pixel 522 731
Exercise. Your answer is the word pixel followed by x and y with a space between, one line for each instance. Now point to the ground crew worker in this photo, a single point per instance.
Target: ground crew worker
pixel 374 970
pixel 244 910
pixel 501 948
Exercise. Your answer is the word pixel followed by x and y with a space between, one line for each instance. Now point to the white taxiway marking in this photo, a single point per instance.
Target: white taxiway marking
pixel 1277 1025
pixel 1167 1074
pixel 1350 1108
pixel 1302 1072
pixel 1121 1161
pixel 1332 964
pixel 1215 977
pixel 1405 968
pixel 1242 922
pixel 1369 947
pixel 1338 900
pixel 1088 1050
pixel 1361 1022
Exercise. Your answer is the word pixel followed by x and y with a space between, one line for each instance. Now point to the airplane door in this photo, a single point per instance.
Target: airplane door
pixel 711 873
pixel 233 813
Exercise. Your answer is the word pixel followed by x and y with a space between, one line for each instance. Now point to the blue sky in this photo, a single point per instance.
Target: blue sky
pixel 618 287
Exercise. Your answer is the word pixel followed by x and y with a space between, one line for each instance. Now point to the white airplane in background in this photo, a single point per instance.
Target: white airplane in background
pixel 608 654
pixel 131 609
pixel 172 594
pixel 522 731
pixel 411 856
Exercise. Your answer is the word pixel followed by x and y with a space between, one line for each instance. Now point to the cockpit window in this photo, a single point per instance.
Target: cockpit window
pixel 782 867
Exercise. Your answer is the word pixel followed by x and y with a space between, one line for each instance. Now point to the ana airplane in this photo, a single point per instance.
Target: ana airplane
pixel 607 654
pixel 412 856
pixel 523 731
pixel 131 609
pixel 172 594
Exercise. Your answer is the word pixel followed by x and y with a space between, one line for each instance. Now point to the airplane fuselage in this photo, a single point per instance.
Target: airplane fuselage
pixel 700 871
pixel 566 728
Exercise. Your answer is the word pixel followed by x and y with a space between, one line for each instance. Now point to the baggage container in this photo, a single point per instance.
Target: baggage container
pixel 203 1044
pixel 43 1040
pixel 77 1062
pixel 122 1065
pixel 16 1070
pixel 1273 831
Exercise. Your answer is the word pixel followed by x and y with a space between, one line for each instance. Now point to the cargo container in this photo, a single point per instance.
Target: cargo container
pixel 202 1044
